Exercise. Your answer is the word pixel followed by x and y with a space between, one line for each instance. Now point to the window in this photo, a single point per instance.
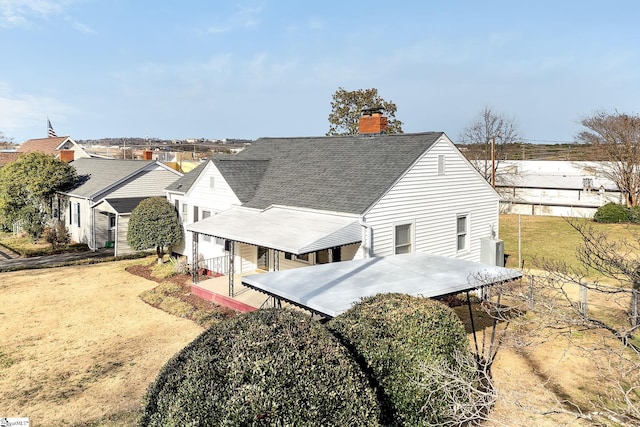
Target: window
pixel 291 257
pixel 185 212
pixel 212 183
pixel 78 216
pixel 402 239
pixel 441 164
pixel 206 214
pixel 112 221
pixel 461 231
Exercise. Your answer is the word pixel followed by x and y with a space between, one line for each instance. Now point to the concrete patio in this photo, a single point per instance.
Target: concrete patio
pixel 216 290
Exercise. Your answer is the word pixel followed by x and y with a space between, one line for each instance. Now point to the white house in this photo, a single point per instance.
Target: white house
pixel 96 211
pixel 289 202
pixel 554 187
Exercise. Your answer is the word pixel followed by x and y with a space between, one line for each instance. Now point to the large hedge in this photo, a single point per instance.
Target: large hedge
pixel 269 367
pixel 398 338
pixel 614 213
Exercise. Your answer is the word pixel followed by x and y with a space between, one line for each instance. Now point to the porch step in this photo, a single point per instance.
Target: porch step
pixel 222 300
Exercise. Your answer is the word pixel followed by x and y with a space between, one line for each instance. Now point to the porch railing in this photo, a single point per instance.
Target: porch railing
pixel 217 265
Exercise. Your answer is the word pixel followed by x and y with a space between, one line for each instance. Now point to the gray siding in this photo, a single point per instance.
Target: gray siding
pixel 431 202
pixel 121 246
pixel 148 183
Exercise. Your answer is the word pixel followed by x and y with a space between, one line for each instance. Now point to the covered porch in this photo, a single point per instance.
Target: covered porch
pixel 274 239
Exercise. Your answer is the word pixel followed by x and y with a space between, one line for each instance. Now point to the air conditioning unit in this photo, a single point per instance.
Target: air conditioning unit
pixel 492 251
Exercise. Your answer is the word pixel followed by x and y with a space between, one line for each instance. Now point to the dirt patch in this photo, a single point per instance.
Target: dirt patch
pixel 77 344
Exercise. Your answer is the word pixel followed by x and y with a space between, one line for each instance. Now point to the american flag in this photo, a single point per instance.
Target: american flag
pixel 52 133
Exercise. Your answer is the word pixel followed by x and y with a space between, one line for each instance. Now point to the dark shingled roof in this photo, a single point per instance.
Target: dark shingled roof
pixel 125 205
pixel 243 176
pixel 342 174
pixel 184 183
pixel 97 174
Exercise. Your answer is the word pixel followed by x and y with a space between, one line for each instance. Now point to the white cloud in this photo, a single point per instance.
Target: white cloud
pixel 27 113
pixel 82 28
pixel 15 13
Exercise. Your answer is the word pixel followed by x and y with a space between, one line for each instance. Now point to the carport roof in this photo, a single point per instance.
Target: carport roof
pixel 285 229
pixel 331 289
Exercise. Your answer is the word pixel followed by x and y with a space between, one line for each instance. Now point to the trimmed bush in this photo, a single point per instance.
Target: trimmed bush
pixel 268 367
pixel 398 338
pixel 634 214
pixel 612 213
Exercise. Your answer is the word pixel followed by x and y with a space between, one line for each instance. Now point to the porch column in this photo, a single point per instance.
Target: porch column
pixel 232 269
pixel 276 260
pixel 194 257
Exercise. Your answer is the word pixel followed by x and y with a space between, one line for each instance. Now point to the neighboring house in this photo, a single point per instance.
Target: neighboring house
pixel 96 212
pixel 555 188
pixel 283 203
pixel 62 147
pixel 8 157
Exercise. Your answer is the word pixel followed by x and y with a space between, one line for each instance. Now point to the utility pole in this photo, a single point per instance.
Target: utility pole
pixel 493 161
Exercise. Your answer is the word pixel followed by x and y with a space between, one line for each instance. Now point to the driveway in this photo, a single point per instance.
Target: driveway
pixel 10 261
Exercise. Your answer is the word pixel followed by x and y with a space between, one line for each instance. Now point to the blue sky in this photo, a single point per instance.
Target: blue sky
pixel 245 69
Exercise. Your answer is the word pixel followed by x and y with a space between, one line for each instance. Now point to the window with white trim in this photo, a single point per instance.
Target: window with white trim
pixel 185 212
pixel 403 239
pixel 462 235
pixel 205 214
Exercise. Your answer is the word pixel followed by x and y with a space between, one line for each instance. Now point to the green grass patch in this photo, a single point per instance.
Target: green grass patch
pixel 549 237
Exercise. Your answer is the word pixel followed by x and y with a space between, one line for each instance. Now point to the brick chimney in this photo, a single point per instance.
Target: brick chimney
pixel 147 155
pixel 372 121
pixel 67 155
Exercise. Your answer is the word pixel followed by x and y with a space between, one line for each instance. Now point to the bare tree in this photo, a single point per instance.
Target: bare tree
pixel 553 305
pixel 617 136
pixel 489 128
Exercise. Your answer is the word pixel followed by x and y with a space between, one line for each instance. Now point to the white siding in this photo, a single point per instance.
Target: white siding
pixel 432 202
pixel 215 200
pixel 248 258
pixel 82 233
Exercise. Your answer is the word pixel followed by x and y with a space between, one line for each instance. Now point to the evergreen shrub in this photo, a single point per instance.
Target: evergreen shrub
pixel 612 213
pixel 268 367
pixel 397 338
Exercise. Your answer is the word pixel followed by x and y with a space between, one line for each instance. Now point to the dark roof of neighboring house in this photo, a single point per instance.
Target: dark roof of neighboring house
pixel 125 205
pixel 243 176
pixel 184 183
pixel 342 174
pixel 42 145
pixel 97 175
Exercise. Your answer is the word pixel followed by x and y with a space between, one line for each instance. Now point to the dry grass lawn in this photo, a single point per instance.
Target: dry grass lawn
pixel 78 345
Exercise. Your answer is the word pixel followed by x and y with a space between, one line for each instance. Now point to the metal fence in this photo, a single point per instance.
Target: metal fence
pixel 592 300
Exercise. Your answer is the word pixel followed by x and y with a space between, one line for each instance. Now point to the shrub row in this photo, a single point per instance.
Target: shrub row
pixel 615 213
pixel 278 367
